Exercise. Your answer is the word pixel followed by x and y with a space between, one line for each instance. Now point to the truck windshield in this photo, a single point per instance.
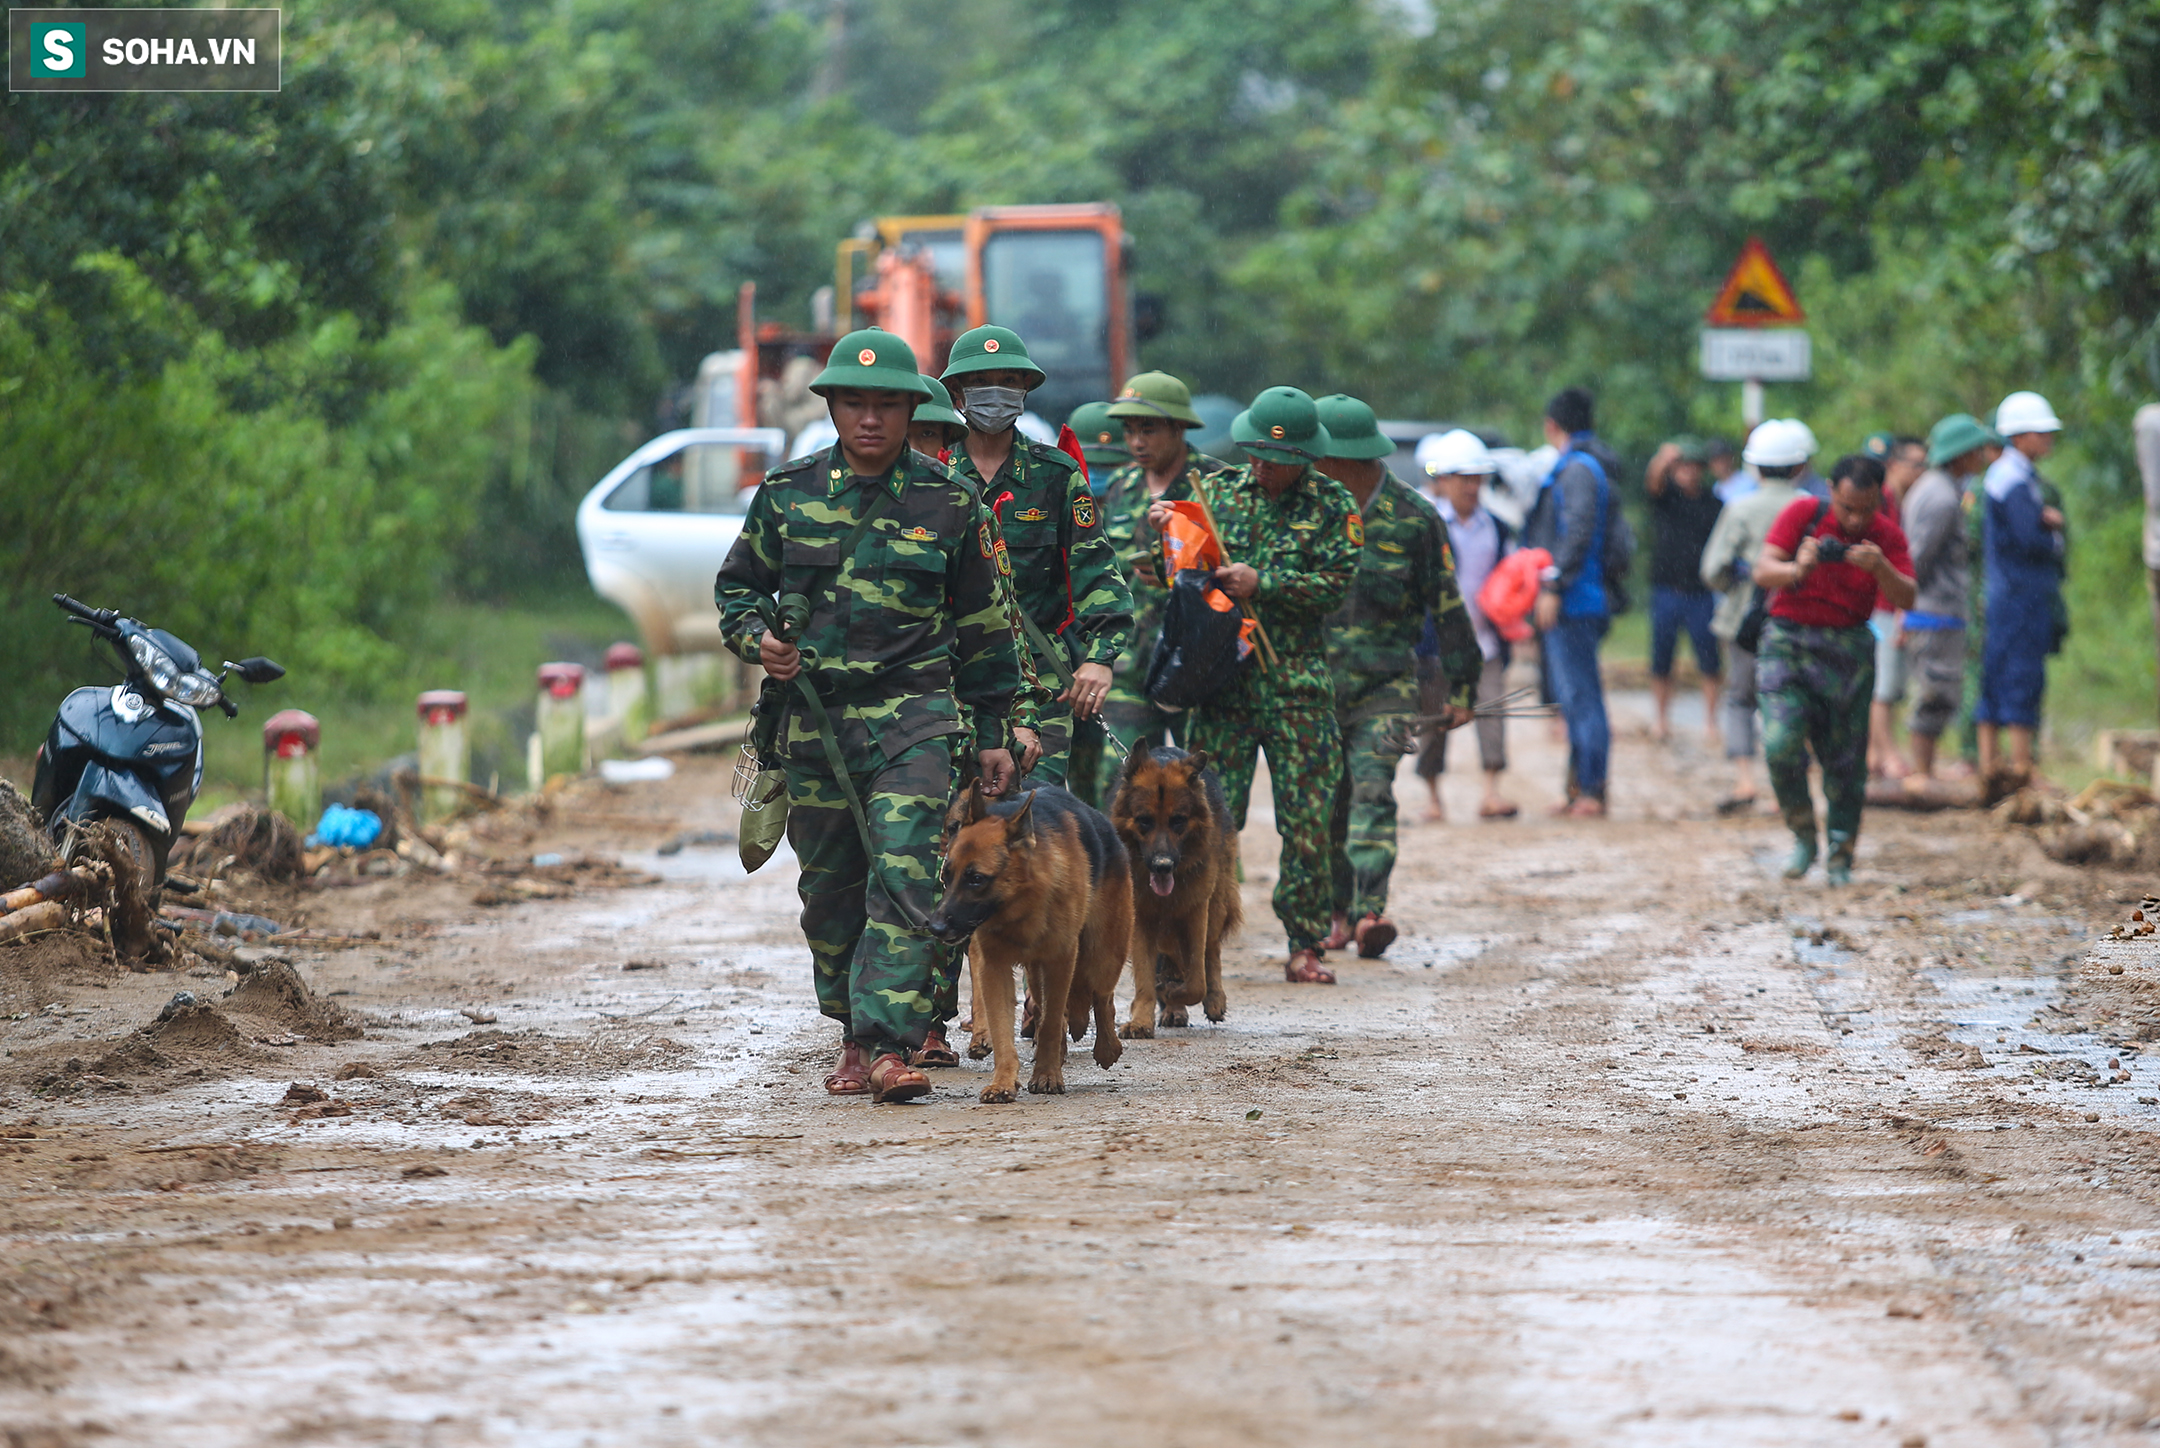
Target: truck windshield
pixel 702 478
pixel 1052 287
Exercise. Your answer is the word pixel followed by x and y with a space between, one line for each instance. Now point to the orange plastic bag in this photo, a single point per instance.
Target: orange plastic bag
pixel 1511 590
pixel 1188 543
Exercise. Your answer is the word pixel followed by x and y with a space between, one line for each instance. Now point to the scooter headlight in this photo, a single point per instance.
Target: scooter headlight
pixel 157 666
pixel 197 688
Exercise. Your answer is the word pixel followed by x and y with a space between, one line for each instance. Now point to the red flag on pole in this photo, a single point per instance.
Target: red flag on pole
pixel 1070 446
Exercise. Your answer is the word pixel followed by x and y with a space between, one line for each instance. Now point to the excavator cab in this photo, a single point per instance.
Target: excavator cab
pixel 1057 275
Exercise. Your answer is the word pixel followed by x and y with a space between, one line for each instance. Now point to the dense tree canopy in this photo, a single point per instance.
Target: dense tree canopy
pixel 343 346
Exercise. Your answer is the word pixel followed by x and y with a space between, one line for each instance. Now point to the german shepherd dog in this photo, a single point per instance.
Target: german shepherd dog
pixel 1039 881
pixel 1170 812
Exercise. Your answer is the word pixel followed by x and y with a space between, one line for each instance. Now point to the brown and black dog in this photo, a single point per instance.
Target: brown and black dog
pixel 1170 812
pixel 1039 881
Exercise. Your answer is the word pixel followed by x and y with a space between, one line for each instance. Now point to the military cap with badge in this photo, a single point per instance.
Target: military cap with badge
pixel 1353 430
pixel 872 359
pixel 991 409
pixel 1282 426
pixel 1102 437
pixel 1159 395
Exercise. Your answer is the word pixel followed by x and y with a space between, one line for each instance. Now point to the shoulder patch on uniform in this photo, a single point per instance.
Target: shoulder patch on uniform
pixel 1050 454
pixel 983 535
pixel 1083 512
pixel 1004 560
pixel 1355 527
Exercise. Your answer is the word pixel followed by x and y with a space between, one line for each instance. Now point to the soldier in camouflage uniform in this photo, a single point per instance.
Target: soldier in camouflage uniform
pixel 905 622
pixel 1405 572
pixel 1102 443
pixel 1156 411
pixel 1290 536
pixel 936 427
pixel 1063 572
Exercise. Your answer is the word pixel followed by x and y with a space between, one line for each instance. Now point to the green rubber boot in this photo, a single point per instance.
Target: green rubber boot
pixel 1838 869
pixel 1803 857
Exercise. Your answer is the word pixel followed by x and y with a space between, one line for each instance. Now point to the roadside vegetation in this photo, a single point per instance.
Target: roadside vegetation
pixel 322 373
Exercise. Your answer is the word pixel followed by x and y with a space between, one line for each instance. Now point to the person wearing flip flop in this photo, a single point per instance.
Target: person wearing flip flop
pixel 1405 574
pixel 1076 610
pixel 1156 411
pixel 1292 537
pixel 1460 465
pixel 908 620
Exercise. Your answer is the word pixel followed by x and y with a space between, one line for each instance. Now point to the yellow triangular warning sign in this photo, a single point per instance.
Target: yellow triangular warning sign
pixel 1755 293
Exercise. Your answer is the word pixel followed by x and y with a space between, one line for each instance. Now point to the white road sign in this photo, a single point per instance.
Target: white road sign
pixel 1742 354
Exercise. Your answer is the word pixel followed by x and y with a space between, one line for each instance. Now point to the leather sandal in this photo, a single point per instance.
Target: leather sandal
pixel 935 1053
pixel 850 1077
pixel 1374 936
pixel 892 1079
pixel 1304 968
pixel 1340 937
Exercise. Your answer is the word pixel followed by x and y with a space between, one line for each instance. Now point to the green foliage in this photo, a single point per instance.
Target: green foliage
pixel 316 527
pixel 378 332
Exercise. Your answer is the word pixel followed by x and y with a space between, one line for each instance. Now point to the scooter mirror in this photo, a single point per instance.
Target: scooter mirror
pixel 259 670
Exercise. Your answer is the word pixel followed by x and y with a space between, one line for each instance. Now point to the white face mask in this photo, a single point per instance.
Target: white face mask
pixel 992 410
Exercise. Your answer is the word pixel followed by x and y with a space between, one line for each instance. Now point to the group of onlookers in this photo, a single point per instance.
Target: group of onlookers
pixel 1926 572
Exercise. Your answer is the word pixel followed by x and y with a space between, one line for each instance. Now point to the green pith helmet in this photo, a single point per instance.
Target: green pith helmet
pixel 1282 426
pixel 991 349
pixel 1102 437
pixel 939 408
pixel 871 358
pixel 1156 394
pixel 1356 432
pixel 1955 436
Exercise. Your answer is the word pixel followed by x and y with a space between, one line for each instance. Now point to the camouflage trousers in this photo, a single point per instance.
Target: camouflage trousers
pixel 1361 835
pixel 1056 733
pixel 875 976
pixel 1814 686
pixel 1304 755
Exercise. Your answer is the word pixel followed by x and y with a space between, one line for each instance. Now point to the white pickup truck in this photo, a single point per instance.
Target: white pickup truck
pixel 655 529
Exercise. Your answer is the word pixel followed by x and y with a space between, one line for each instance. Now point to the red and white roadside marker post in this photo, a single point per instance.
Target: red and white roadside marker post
pixel 559 720
pixel 445 753
pixel 627 700
pixel 292 770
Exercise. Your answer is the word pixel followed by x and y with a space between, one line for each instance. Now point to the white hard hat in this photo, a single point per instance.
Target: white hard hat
pixel 1460 451
pixel 1782 442
pixel 2025 412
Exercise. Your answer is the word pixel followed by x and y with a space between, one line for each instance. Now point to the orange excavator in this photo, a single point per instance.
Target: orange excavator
pixel 1057 275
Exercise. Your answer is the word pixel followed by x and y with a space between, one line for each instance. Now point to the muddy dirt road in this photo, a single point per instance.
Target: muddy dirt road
pixel 1627 1142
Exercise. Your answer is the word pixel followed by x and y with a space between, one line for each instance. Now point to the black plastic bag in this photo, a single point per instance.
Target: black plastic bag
pixel 1199 654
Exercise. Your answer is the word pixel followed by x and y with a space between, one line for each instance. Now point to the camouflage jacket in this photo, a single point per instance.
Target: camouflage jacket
pixel 916 618
pixel 1305 547
pixel 1063 570
pixel 1405 572
pixel 1139 550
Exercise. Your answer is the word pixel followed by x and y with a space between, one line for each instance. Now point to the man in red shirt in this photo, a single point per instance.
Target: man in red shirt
pixel 1826 565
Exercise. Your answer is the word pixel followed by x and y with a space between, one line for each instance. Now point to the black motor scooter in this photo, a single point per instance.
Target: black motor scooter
pixel 132 754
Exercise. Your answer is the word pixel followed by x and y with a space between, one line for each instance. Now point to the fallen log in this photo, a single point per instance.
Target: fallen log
pixel 31 920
